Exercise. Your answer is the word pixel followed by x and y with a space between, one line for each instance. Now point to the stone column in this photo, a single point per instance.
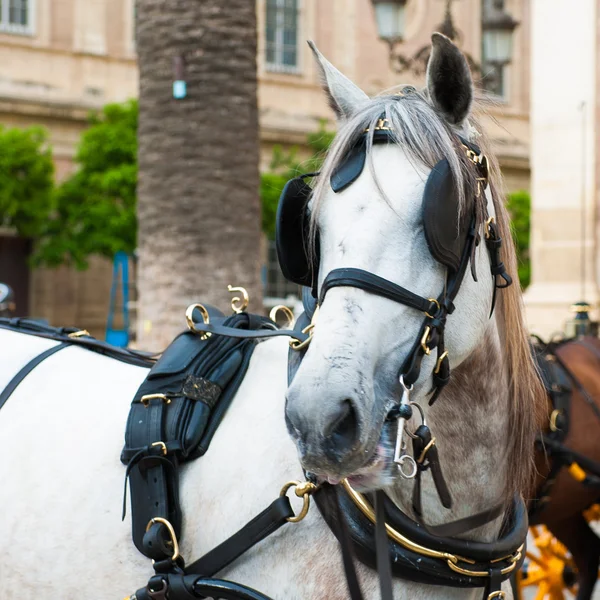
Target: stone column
pixel 563 161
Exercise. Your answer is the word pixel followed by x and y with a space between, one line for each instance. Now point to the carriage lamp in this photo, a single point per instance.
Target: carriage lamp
pixel 581 324
pixel 498 28
pixel 391 20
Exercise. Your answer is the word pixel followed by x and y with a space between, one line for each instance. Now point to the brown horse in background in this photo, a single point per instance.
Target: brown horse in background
pixel 569 498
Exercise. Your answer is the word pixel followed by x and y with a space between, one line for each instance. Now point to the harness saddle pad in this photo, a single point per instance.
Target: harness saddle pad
pixel 173 418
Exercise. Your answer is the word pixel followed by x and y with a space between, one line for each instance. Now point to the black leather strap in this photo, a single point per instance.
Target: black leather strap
pixel 345 539
pixel 263 525
pixel 369 282
pixel 63 334
pixel 32 364
pixel 192 587
pixel 384 569
pixel 248 334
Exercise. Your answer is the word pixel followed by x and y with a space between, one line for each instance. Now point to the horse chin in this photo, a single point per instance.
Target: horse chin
pixel 379 471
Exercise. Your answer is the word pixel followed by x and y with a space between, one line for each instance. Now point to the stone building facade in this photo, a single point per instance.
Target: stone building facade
pixel 565 159
pixel 61 58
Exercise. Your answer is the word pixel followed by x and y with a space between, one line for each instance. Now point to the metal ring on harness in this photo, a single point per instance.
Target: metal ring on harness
pixel 553 418
pixel 189 319
pixel 171 531
pixel 304 491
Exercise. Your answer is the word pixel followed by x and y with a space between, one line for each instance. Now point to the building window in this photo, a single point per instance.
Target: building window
pixel 282 35
pixel 493 75
pixel 16 16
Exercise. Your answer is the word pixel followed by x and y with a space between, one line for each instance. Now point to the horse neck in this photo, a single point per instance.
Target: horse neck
pixel 470 422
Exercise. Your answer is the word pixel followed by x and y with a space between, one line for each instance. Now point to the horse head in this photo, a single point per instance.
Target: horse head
pixel 401 199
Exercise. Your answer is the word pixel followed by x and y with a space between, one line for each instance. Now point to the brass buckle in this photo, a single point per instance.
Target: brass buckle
pixel 425 451
pixel 145 400
pixel 500 595
pixel 171 531
pixel 481 182
pixel 487 227
pixel 162 446
pixel 437 305
pixel 553 417
pixel 425 340
pixel 80 333
pixel 289 315
pixel 440 360
pixel 381 125
pixel 204 335
pixel 303 490
pixel 239 305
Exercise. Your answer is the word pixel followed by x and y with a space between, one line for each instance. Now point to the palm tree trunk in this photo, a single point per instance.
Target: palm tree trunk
pixel 198 203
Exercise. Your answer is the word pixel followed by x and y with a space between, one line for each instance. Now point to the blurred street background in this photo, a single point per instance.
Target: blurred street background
pixel 144 145
pixel 194 116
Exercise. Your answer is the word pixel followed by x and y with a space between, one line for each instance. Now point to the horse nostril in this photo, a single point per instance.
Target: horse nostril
pixel 342 432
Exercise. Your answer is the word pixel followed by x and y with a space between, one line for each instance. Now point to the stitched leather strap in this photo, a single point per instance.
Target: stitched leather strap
pixel 32 364
pixel 263 525
pixel 369 282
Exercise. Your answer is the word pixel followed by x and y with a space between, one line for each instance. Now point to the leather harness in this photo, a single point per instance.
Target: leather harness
pixel 177 409
pixel 360 528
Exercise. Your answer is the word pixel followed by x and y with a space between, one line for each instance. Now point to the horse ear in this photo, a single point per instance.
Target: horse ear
pixel 345 97
pixel 449 80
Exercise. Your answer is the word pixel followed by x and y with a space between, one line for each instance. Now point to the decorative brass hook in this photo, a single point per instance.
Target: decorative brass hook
pixel 235 306
pixel 289 315
pixel 189 318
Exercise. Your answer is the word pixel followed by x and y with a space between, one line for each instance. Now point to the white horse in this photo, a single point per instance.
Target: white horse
pixel 61 430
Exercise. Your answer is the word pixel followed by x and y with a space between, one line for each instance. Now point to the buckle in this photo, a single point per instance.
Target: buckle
pixel 435 303
pixel 173 542
pixel 161 445
pixel 78 334
pixel 440 360
pixel 145 400
pixel 425 341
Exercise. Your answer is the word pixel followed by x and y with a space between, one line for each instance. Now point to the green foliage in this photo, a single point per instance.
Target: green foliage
pixel 284 166
pixel 26 180
pixel 519 207
pixel 95 207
